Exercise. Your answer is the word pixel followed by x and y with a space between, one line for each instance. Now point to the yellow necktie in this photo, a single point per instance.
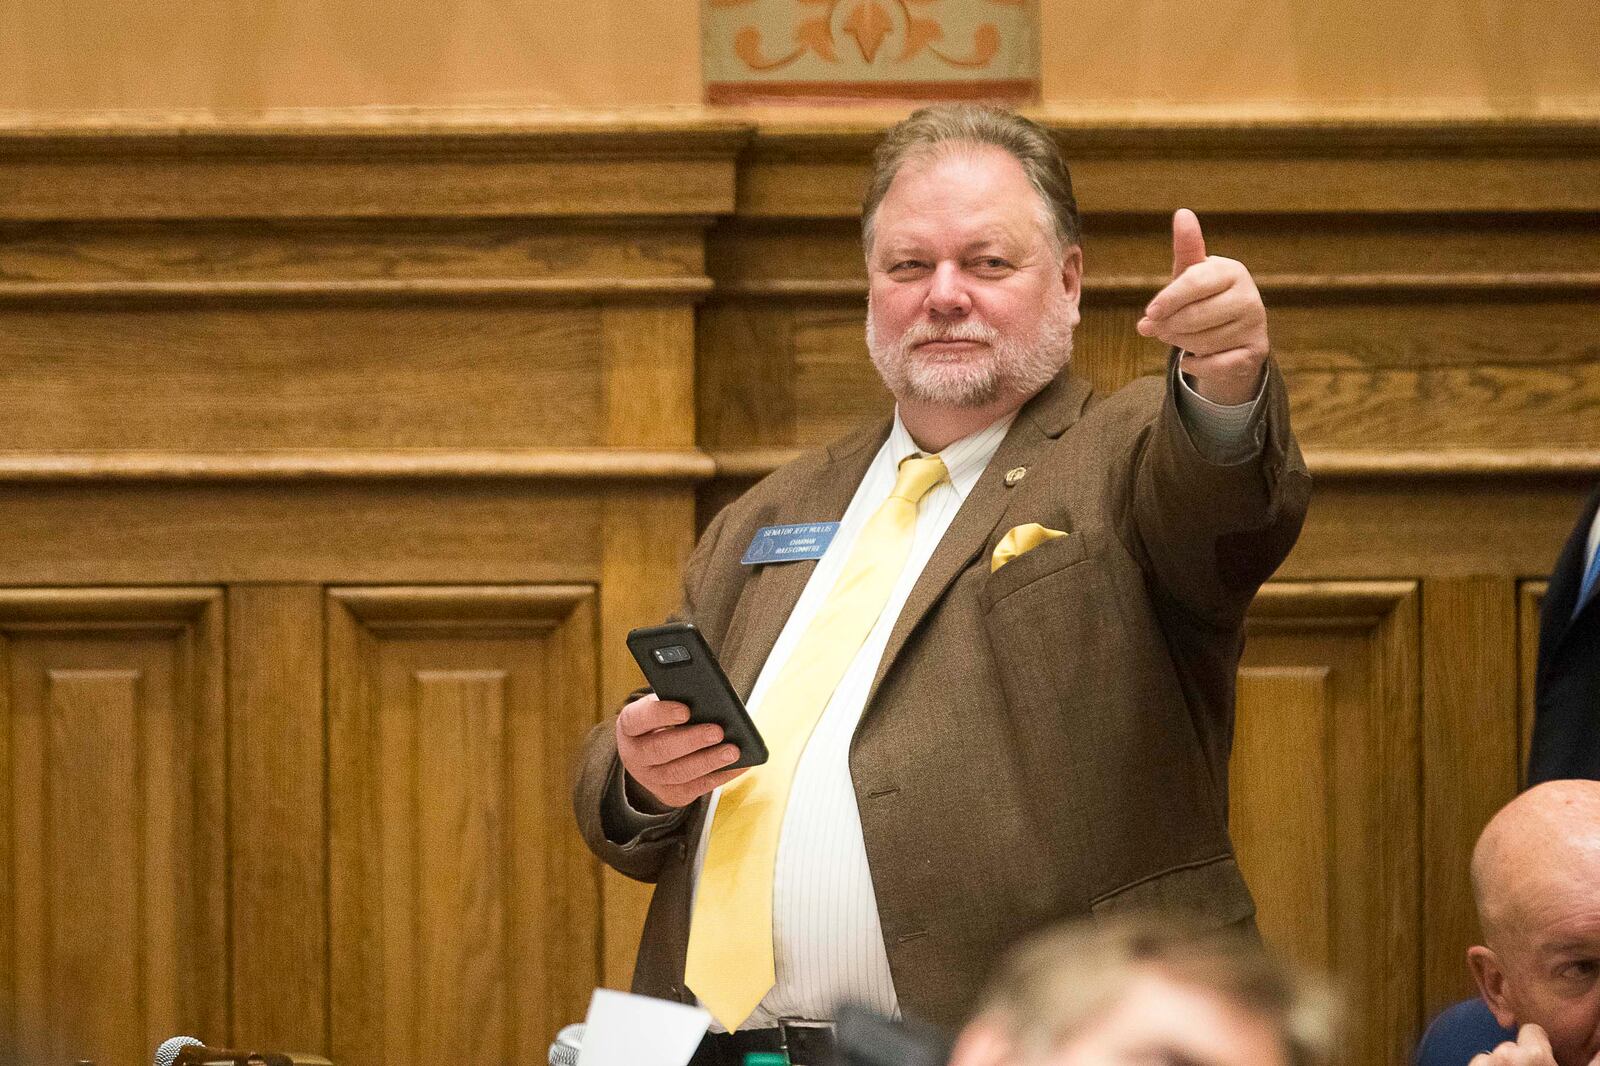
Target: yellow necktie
pixel 729 964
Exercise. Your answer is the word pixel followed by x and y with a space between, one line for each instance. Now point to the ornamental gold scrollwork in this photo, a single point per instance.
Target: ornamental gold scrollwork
pixel 894 31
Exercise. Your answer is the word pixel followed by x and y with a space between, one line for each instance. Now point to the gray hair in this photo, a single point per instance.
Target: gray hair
pixel 952 127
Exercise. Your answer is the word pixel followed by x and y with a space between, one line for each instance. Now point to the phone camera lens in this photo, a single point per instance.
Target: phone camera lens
pixel 673 653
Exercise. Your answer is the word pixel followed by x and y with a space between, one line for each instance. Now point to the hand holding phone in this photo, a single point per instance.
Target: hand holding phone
pixel 693 733
pixel 673 760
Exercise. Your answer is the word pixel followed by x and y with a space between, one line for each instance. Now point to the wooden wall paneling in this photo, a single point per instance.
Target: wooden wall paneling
pixel 1325 794
pixel 804 165
pixel 393 349
pixel 465 911
pixel 1330 250
pixel 1106 349
pixel 810 381
pixel 349 165
pixel 647 538
pixel 645 535
pixel 192 258
pixel 788 257
pixel 469 274
pixel 203 378
pixel 1419 369
pixel 648 360
pixel 1307 178
pixel 745 376
pixel 10 892
pixel 1469 766
pixel 277 760
pixel 1405 518
pixel 1530 601
pixel 836 387
pixel 1515 247
pixel 115 869
pixel 314 528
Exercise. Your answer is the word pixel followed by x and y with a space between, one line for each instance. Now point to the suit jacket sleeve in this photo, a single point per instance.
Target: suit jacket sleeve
pixel 1210 533
pixel 633 846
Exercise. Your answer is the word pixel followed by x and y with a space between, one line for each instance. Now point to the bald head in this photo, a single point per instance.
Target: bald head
pixel 1536 875
pixel 1534 850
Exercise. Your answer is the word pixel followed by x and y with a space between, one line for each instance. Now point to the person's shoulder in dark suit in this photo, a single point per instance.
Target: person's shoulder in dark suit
pixel 1461 1031
pixel 1566 724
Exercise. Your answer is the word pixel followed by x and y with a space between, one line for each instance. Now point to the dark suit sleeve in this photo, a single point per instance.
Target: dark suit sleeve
pixel 1211 533
pixel 633 844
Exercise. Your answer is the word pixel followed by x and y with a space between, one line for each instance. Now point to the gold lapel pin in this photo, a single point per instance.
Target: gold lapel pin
pixel 1015 474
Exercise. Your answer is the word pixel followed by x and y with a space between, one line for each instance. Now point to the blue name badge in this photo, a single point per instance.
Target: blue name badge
pixel 789 544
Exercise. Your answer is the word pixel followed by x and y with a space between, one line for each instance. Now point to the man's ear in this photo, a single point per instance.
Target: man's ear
pixel 981 1043
pixel 1072 275
pixel 1491 977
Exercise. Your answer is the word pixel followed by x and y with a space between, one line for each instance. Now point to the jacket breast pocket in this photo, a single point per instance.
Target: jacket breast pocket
pixel 1046 559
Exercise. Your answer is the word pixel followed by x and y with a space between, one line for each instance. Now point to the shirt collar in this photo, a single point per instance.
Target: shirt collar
pixel 965 459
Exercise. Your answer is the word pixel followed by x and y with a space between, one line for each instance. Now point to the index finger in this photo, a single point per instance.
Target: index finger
pixel 1199 282
pixel 1532 1037
pixel 647 714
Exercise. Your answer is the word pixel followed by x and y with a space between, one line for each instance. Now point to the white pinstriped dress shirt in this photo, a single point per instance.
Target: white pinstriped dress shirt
pixel 827 945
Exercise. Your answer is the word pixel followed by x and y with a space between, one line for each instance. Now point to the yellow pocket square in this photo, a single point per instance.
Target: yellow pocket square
pixel 1019 539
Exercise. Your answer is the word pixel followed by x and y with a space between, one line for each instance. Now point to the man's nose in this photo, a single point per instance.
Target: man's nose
pixel 947 292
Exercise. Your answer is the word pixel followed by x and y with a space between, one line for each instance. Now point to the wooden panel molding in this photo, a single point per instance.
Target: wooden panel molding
pixel 278 821
pixel 438 254
pixel 1470 736
pixel 390 166
pixel 387 531
pixel 1530 602
pixel 112 854
pixel 464 910
pixel 542 464
pixel 1325 794
pixel 645 541
pixel 396 297
pixel 808 166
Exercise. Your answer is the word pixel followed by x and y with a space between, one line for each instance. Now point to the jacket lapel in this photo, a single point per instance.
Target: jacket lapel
pixel 778 586
pixel 1040 421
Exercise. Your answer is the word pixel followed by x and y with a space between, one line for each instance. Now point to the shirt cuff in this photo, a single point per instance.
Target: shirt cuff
pixel 1223 433
pixel 625 824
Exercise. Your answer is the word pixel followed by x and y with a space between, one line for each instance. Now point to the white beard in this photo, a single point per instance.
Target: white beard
pixel 1005 366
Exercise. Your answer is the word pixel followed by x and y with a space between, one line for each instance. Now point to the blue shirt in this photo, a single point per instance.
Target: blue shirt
pixel 1460 1032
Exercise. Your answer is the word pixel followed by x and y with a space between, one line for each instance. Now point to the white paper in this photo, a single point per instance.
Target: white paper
pixel 623 1029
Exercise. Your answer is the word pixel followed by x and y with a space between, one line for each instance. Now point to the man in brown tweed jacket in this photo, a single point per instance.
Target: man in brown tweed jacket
pixel 1040 724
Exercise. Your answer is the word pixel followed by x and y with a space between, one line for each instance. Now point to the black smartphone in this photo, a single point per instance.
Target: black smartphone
pixel 679 665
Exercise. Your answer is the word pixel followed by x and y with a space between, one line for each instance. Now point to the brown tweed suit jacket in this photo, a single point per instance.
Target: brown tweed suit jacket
pixel 1050 739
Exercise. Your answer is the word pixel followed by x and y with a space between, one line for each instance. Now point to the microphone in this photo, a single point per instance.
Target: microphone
pixel 865 1038
pixel 167 1053
pixel 564 1051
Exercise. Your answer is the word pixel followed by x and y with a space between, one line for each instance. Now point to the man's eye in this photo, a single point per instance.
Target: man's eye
pixel 1581 970
pixel 993 262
